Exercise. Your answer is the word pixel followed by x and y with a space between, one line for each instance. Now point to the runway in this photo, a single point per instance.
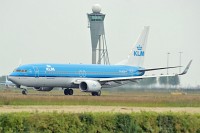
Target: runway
pixel 86 108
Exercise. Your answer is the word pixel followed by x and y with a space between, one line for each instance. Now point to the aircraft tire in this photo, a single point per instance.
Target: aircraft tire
pixel 66 91
pixel 70 92
pixel 93 93
pixel 96 93
pixel 24 92
pixel 99 93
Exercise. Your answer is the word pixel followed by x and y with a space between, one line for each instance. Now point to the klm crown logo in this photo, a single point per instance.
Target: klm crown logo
pixel 139 47
pixel 139 51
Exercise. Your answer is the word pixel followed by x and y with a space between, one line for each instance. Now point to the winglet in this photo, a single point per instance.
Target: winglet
pixel 186 69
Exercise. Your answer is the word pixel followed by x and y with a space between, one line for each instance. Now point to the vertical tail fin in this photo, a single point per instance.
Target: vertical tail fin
pixel 137 54
pixel 136 57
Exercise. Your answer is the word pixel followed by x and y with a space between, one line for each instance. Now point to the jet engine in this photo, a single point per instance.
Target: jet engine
pixel 90 86
pixel 43 88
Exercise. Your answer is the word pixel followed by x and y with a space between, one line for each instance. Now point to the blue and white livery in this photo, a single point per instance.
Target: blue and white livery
pixel 88 78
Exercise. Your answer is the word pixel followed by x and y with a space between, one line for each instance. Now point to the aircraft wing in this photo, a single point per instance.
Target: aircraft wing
pixel 143 77
pixel 133 78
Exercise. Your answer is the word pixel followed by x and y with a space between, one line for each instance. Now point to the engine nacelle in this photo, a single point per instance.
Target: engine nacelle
pixel 43 88
pixel 90 86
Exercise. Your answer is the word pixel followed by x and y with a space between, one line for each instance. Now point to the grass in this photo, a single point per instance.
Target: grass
pixel 135 98
pixel 100 122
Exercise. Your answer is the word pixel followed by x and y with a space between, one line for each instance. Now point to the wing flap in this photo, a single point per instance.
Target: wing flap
pixel 160 68
pixel 133 78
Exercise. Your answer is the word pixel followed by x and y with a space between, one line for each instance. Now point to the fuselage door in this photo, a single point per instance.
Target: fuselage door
pixel 131 72
pixel 82 73
pixel 36 71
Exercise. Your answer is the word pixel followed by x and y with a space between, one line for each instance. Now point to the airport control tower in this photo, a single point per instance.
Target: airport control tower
pixel 96 25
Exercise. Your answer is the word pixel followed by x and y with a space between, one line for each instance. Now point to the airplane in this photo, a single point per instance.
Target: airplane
pixel 87 77
pixel 7 82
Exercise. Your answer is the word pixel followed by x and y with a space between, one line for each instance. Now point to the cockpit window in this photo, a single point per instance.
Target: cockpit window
pixel 18 70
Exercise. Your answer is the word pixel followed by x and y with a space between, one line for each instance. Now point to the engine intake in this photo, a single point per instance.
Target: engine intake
pixel 90 86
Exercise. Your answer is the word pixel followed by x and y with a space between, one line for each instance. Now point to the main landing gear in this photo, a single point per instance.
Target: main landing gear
pixel 24 91
pixel 68 91
pixel 71 92
pixel 98 93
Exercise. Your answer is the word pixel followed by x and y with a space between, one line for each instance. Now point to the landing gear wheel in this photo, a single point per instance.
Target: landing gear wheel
pixel 93 93
pixel 96 93
pixel 71 92
pixel 24 92
pixel 68 92
pixel 99 93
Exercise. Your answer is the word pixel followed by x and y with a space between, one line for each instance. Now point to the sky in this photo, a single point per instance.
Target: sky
pixel 56 31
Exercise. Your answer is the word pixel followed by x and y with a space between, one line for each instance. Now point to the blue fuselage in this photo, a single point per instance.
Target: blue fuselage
pixel 76 70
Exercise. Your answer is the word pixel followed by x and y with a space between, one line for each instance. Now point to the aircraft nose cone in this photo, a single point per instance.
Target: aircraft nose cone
pixel 10 78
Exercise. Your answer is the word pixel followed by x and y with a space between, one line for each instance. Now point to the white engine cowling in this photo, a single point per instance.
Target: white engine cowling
pixel 90 86
pixel 43 88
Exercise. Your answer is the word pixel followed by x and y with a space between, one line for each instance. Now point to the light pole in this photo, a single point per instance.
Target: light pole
pixel 167 61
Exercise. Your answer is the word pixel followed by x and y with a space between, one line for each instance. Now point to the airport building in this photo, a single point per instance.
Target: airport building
pixel 98 40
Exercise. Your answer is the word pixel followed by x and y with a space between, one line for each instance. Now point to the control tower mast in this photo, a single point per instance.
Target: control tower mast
pixel 96 25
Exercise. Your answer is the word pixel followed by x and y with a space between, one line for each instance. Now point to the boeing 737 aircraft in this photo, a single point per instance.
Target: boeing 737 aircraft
pixel 88 78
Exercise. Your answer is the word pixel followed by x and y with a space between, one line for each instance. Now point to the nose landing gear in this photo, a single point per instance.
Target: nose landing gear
pixel 24 91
